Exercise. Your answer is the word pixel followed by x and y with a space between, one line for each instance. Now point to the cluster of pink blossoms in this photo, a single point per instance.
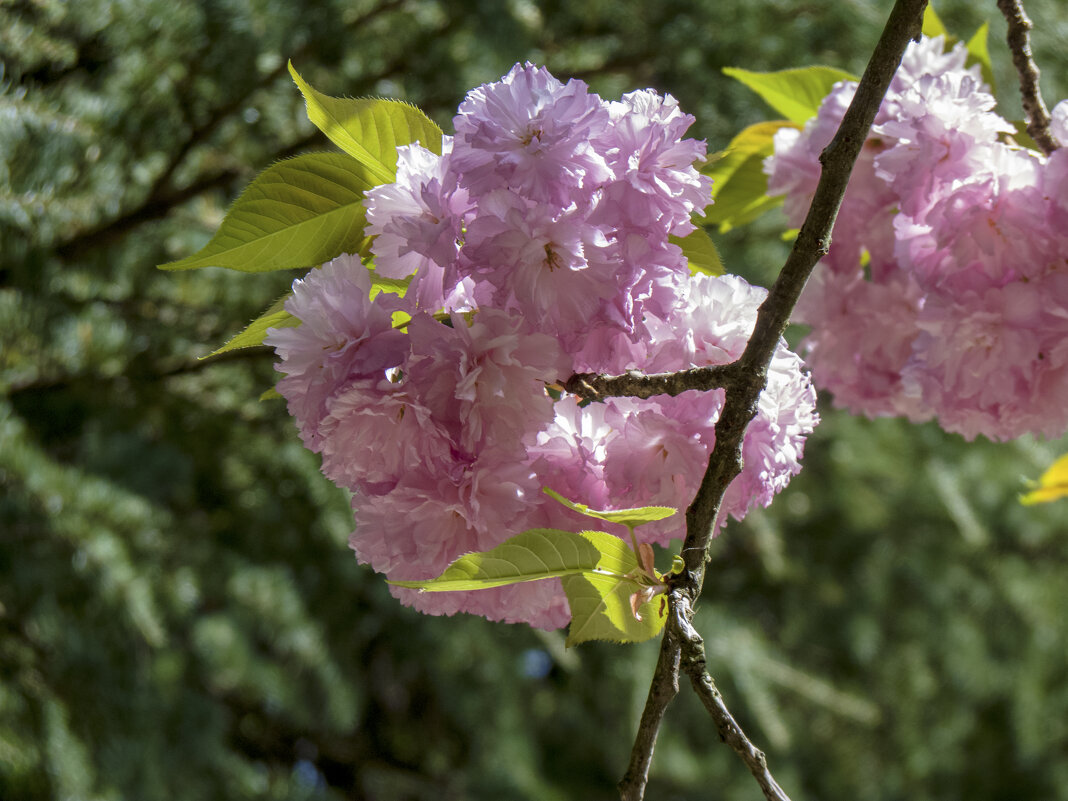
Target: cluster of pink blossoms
pixel 945 291
pixel 537 246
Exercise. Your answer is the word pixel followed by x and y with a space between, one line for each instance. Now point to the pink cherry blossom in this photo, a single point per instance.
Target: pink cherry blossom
pixel 418 222
pixel 987 361
pixel 647 153
pixel 485 380
pixel 942 293
pixel 532 134
pixel 537 245
pixel 343 337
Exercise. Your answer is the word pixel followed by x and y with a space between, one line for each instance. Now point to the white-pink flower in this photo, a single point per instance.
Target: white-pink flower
pixel 646 151
pixel 485 381
pixel 418 223
pixel 992 362
pixel 941 293
pixel 343 337
pixel 376 434
pixel 532 134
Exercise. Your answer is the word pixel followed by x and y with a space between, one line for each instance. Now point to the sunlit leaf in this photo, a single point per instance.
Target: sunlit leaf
pixel 932 24
pixel 369 129
pixel 600 574
pixel 625 517
pixel 1052 485
pixel 298 213
pixel 979 53
pixel 397 286
pixel 757 139
pixel 700 252
pixel 795 93
pixel 601 610
pixel 538 553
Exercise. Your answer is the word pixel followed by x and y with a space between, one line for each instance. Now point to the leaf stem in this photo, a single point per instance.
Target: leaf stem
pixel 634 545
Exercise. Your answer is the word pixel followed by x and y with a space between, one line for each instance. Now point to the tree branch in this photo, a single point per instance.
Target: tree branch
pixel 199 133
pixel 64 382
pixel 662 690
pixel 1019 40
pixel 594 387
pixel 152 209
pixel 725 462
pixel 160 199
pixel 694 665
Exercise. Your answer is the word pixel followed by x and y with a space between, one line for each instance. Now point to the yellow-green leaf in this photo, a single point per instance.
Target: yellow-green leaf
pixel 979 53
pixel 298 213
pixel 398 286
pixel 932 24
pixel 756 140
pixel 599 573
pixel 700 252
pixel 538 553
pixel 601 610
pixel 1022 137
pixel 1052 485
pixel 625 517
pixel 369 129
pixel 795 93
pixel 739 185
pixel 252 335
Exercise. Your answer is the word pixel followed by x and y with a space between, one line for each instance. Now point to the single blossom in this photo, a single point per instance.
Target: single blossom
pixel 647 154
pixel 343 336
pixel 486 381
pixel 375 434
pixel 991 362
pixel 418 222
pixel 530 133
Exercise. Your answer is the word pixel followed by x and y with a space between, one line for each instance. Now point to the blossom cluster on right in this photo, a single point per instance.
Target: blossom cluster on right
pixel 945 291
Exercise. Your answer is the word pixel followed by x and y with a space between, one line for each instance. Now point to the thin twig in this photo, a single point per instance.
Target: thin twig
pixel 161 199
pixel 1019 40
pixel 594 387
pixel 811 245
pixel 64 382
pixel 198 133
pixel 693 663
pixel 662 690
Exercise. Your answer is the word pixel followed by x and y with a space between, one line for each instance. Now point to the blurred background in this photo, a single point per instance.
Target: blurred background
pixel 180 616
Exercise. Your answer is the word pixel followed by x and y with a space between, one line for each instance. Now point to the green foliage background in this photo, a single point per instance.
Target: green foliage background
pixel 180 617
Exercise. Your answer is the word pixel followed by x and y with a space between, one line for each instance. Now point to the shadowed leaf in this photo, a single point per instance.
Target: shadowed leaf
pixel 700 252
